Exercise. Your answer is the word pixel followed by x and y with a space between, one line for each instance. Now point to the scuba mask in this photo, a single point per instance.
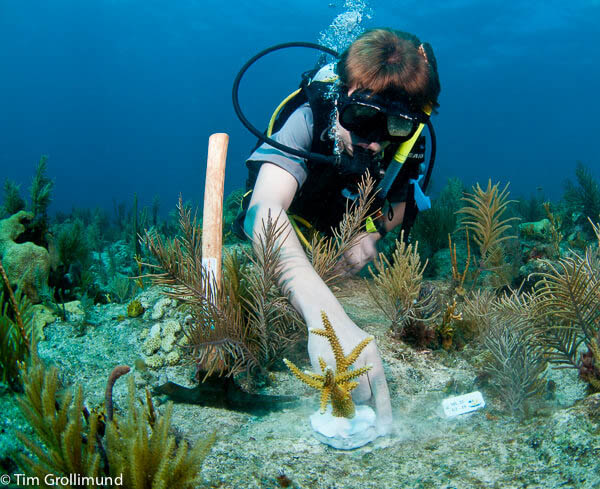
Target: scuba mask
pixel 378 118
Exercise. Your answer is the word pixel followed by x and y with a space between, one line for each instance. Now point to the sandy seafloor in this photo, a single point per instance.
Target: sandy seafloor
pixel 557 446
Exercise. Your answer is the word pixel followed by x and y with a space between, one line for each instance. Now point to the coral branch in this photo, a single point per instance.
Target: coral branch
pixel 458 278
pixel 13 301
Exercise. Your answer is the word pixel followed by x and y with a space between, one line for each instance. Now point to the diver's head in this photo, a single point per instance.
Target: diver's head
pixel 393 64
pixel 389 86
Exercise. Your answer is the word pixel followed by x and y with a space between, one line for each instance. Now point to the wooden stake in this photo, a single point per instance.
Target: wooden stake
pixel 212 217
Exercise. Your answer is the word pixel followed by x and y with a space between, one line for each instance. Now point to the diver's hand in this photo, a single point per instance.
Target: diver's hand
pixel 361 253
pixel 372 385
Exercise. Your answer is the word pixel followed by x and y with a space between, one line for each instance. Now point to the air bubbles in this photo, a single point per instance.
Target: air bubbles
pixel 347 25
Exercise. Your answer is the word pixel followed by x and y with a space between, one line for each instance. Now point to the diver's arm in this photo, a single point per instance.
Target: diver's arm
pixel 273 193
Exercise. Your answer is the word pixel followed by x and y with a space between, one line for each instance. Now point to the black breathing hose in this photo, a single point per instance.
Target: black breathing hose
pixel 260 135
pixel 431 156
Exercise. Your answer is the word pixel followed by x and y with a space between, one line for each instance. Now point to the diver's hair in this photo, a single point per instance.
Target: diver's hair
pixel 394 62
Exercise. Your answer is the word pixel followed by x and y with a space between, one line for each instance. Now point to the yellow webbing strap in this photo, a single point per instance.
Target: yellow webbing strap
pixel 370 225
pixel 302 221
pixel 286 100
pixel 278 109
pixel 243 198
pixel 299 233
pixel 406 147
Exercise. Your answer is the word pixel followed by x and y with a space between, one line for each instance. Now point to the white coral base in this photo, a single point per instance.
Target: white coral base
pixel 344 433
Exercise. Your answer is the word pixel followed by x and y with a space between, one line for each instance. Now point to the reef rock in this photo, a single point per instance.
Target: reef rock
pixel 26 264
pixel 42 316
pixel 539 230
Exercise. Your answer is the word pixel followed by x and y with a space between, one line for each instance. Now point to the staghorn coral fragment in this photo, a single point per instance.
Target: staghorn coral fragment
pixel 334 386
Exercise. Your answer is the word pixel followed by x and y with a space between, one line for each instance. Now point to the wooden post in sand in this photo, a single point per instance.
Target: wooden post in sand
pixel 212 217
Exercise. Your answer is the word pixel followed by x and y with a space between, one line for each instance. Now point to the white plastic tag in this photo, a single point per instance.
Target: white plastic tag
pixel 453 406
pixel 210 269
pixel 210 265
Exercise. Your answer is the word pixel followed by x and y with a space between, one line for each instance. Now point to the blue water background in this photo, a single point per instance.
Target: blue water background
pixel 122 95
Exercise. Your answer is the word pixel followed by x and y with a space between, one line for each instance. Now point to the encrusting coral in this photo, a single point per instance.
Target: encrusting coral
pixel 135 309
pixel 26 263
pixel 335 386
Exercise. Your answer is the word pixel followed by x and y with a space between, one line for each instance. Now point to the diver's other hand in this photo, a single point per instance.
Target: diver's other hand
pixel 372 386
pixel 361 253
pixel 375 389
pixel 381 395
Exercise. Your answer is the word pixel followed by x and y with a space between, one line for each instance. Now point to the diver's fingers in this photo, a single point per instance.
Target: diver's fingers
pixel 362 393
pixel 381 395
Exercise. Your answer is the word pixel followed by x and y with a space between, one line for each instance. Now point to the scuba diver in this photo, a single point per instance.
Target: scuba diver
pixel 363 113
